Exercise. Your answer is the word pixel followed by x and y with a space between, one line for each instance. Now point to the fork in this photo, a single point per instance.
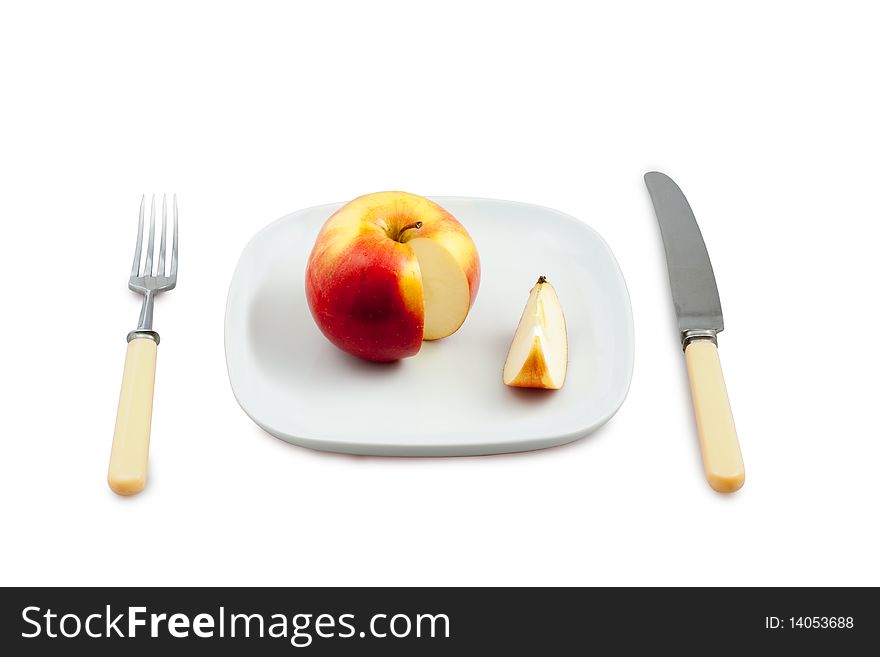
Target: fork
pixel 127 474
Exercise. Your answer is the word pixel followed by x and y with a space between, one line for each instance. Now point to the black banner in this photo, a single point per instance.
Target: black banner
pixel 437 621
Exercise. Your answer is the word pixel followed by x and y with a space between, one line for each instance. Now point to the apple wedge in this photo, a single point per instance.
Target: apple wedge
pixel 538 355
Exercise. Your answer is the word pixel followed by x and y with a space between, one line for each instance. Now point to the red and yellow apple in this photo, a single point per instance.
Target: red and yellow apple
pixel 389 270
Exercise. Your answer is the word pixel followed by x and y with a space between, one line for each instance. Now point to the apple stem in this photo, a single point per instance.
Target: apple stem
pixel 541 279
pixel 416 225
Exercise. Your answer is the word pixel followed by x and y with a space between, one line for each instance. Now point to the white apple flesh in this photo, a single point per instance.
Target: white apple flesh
pixel 538 355
pixel 445 289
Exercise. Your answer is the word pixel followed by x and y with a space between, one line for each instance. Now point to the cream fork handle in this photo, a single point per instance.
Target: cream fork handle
pixel 127 474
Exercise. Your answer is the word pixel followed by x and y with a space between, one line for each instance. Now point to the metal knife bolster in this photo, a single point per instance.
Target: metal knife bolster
pixel 710 335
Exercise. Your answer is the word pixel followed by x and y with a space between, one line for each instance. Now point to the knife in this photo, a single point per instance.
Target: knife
pixel 698 308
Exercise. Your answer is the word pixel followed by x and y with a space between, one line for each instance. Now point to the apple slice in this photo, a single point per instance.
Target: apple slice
pixel 538 356
pixel 445 288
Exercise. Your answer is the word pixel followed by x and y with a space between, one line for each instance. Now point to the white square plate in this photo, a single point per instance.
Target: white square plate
pixel 448 399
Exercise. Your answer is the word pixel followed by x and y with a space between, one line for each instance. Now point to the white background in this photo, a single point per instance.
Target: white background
pixel 767 114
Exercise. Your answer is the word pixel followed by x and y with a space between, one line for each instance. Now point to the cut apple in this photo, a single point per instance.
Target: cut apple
pixel 445 288
pixel 538 356
pixel 389 270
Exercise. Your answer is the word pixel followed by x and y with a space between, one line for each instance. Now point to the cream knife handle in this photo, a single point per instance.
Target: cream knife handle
pixel 722 458
pixel 131 439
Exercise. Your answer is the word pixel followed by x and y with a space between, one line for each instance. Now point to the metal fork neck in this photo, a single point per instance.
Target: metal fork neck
pixel 145 323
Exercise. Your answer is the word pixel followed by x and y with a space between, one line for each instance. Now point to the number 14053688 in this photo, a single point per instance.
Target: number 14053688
pixel 809 622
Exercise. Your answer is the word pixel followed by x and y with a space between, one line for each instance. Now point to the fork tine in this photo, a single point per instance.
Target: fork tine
pixel 160 269
pixel 148 265
pixel 173 273
pixel 140 241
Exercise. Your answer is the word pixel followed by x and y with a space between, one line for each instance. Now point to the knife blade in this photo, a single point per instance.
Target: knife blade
pixel 698 309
